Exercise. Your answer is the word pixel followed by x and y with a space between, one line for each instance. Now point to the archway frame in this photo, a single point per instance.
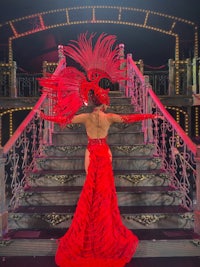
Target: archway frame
pixel 117 15
pixel 130 16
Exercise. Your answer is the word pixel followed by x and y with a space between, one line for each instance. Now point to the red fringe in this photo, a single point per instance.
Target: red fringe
pixel 97 236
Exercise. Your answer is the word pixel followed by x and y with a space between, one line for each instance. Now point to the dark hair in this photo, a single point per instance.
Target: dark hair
pixel 93 99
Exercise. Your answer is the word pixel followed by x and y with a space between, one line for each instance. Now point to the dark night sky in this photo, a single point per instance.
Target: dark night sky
pixel 154 48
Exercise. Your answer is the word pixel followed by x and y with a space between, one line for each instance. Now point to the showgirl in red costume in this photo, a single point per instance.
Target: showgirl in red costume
pixel 96 237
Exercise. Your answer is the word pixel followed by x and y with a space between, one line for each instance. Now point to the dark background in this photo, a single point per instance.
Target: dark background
pixel 153 47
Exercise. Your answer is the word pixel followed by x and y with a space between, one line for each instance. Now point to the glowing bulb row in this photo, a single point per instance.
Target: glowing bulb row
pixel 42 25
pixel 178 111
pixel 10 113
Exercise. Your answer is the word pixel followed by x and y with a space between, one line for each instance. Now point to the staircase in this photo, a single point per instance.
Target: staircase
pixel 149 207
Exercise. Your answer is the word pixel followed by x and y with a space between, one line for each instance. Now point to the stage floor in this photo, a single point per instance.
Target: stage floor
pixel 136 262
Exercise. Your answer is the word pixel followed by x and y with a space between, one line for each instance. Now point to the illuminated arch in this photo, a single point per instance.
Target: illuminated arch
pixel 129 16
pixel 178 112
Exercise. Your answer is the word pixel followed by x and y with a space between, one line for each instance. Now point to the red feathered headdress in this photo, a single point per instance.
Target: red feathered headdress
pixel 70 88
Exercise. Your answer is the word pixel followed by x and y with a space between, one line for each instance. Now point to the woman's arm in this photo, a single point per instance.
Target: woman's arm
pixel 130 117
pixel 64 120
pixel 81 118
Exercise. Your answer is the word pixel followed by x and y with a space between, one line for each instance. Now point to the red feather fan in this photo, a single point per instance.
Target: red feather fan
pixel 69 89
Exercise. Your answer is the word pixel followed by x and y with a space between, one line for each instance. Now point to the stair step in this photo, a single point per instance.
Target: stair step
pixel 61 138
pixel 134 217
pixel 148 206
pixel 178 244
pixel 164 261
pixel 142 234
pixel 77 178
pixel 139 196
pixel 114 128
pixel 125 189
pixel 123 209
pixel 117 150
pixel 119 163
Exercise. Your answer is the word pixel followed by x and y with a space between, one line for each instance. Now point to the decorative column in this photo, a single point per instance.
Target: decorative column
pixel 13 80
pixel 171 85
pixel 122 84
pixel 44 68
pixel 194 76
pixel 197 205
pixel 3 207
pixel 189 77
pixel 147 108
pixel 141 66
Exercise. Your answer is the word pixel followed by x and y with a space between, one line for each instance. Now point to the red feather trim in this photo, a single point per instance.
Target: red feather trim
pixel 102 57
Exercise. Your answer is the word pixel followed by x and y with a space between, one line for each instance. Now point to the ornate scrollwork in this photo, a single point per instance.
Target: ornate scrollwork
pixel 146 219
pixel 63 178
pixel 5 242
pixel 132 148
pixel 54 218
pixel 134 178
pixel 188 216
pixel 16 216
pixel 196 242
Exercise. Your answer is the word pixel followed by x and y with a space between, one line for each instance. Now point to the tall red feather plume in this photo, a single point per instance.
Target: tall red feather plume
pixel 103 57
pixel 68 87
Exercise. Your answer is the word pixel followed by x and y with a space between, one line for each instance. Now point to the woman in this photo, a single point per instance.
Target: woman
pixel 97 236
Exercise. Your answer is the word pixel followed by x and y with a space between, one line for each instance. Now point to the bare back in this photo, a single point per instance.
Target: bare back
pixel 96 123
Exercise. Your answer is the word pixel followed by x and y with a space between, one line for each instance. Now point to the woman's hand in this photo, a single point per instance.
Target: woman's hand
pixel 159 117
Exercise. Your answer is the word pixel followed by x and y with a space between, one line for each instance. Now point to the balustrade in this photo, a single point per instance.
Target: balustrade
pixel 178 153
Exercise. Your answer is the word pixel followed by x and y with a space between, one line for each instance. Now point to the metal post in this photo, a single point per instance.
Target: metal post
pixel 197 205
pixel 13 80
pixel 128 74
pixel 44 68
pixel 122 84
pixel 189 77
pixel 171 85
pixel 3 208
pixel 141 65
pixel 194 71
pixel 147 108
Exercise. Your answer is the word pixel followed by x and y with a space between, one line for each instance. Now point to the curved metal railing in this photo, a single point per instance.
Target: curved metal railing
pixel 175 148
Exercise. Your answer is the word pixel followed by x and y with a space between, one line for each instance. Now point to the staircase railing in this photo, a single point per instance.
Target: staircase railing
pixel 18 156
pixel 20 153
pixel 17 159
pixel 173 146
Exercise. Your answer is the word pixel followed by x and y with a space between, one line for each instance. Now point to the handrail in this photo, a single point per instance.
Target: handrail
pixel 172 144
pixel 24 124
pixel 176 126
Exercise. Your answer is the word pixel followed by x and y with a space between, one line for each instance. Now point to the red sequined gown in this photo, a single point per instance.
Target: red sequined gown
pixel 97 236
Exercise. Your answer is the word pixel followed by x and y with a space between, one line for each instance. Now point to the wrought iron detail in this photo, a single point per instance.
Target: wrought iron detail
pixel 63 178
pixel 5 243
pixel 188 216
pixel 134 178
pixel 54 218
pixel 146 219
pixel 196 242
pixel 131 148
pixel 171 145
pixel 16 216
